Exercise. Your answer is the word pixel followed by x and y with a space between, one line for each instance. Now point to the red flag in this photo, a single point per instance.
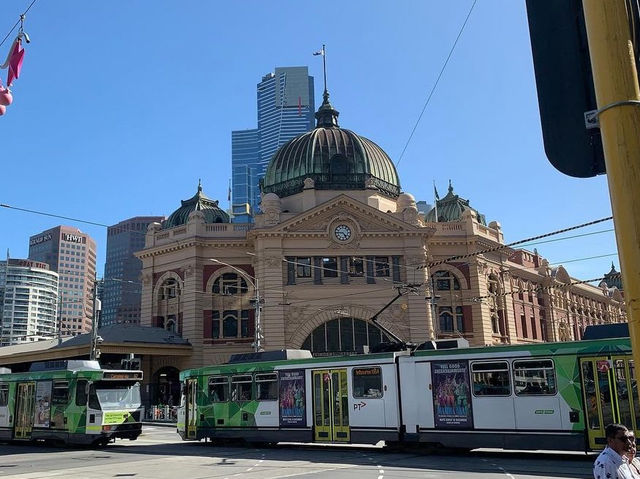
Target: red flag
pixel 14 60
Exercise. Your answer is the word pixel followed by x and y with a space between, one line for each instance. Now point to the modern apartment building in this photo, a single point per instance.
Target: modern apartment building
pixel 28 301
pixel 121 293
pixel 285 109
pixel 72 254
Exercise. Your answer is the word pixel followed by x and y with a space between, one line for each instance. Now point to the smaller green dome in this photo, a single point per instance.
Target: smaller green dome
pixel 450 208
pixel 199 202
pixel 613 278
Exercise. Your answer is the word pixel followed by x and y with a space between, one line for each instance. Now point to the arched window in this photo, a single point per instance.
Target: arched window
pixel 447 321
pixel 169 289
pixel 230 284
pixel 445 281
pixel 344 335
pixel 171 324
pixel 230 324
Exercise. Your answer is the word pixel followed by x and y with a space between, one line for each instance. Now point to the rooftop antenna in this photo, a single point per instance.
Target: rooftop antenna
pixel 324 65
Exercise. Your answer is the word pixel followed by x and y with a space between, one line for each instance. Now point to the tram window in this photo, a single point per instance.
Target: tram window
pixel 367 383
pixel 241 388
pixel 81 393
pixel 219 388
pixel 60 392
pixel 4 394
pixel 534 377
pixel 491 378
pixel 267 386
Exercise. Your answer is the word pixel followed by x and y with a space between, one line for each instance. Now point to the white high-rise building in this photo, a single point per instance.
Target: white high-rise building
pixel 28 301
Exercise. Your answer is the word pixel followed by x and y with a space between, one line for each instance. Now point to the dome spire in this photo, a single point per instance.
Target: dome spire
pixel 326 115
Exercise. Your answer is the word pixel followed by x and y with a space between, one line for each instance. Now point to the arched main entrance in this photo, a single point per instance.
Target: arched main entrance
pixel 166 387
pixel 344 336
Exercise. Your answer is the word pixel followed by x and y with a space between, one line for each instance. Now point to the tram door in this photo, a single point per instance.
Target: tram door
pixel 25 401
pixel 191 410
pixel 610 395
pixel 330 405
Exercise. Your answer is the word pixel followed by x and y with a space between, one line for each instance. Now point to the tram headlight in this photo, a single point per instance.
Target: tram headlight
pixel 106 428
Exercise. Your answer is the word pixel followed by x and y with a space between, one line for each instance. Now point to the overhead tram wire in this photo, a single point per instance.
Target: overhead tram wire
pixel 17 23
pixel 337 270
pixel 436 82
pixel 515 243
pixel 4 205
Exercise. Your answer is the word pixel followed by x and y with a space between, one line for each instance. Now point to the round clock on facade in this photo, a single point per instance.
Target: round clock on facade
pixel 342 232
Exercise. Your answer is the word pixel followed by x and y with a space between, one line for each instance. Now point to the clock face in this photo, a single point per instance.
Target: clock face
pixel 342 232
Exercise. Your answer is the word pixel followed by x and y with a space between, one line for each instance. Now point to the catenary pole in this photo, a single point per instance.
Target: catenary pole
pixel 616 84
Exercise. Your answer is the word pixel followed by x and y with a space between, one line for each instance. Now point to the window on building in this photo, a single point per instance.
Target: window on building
pixel 381 266
pixel 330 267
pixel 303 267
pixel 459 319
pixel 343 335
pixel 169 289
pixel 445 281
pixel 445 318
pixel 356 266
pixel 230 284
pixel 534 377
pixel 230 324
pixel 495 327
pixel 491 378
pixel 523 323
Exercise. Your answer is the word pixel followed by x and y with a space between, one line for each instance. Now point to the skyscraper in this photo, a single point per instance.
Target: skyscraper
pixel 72 254
pixel 121 293
pixel 286 109
pixel 28 301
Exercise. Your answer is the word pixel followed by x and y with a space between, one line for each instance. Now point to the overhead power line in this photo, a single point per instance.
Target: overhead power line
pixel 515 243
pixel 433 89
pixel 17 23
pixel 3 205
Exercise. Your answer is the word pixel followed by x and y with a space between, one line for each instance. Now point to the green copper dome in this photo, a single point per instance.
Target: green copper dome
pixel 199 202
pixel 333 157
pixel 450 208
pixel 613 278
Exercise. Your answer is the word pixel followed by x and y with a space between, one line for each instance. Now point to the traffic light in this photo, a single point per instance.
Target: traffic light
pixel 565 86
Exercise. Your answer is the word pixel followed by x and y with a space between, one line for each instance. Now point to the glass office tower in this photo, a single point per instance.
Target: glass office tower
pixel 286 109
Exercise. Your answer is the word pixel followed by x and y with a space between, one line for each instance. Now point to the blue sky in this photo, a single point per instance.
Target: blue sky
pixel 122 106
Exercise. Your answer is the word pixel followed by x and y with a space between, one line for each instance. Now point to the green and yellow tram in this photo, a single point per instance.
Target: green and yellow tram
pixel 70 402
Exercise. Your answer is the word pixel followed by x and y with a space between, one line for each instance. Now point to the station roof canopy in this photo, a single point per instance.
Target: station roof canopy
pixel 116 339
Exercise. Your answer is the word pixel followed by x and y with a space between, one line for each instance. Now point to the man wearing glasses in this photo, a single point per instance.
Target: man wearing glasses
pixel 612 463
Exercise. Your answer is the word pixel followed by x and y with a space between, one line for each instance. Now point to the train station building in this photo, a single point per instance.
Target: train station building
pixel 339 259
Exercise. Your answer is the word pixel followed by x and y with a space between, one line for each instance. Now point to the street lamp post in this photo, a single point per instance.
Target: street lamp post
pixel 257 303
pixel 94 352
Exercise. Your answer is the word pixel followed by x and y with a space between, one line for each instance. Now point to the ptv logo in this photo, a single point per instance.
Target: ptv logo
pixel 358 406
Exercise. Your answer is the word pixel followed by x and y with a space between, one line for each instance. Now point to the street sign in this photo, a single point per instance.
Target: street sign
pixel 565 86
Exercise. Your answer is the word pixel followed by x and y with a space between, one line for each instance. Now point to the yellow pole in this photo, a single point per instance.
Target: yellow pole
pixel 616 80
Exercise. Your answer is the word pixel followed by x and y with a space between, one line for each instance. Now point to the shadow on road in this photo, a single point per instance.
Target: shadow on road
pixel 541 464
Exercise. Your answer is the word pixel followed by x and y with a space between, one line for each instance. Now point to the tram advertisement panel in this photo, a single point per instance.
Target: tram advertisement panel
pixel 451 394
pixel 292 398
pixel 43 404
